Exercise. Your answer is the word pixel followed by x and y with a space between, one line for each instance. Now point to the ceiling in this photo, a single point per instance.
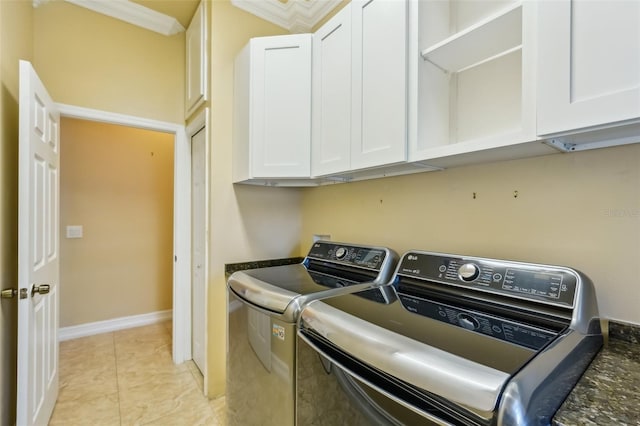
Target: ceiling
pixel 170 17
pixel 294 15
pixel 182 10
pixel 297 16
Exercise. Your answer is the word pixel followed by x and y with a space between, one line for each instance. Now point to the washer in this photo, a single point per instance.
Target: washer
pixel 461 341
pixel 263 308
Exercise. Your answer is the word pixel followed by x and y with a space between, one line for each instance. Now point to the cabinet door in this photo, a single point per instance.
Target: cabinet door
pixel 379 79
pixel 331 96
pixel 589 58
pixel 196 61
pixel 281 106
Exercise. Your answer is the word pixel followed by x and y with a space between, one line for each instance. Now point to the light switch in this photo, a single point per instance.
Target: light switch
pixel 74 231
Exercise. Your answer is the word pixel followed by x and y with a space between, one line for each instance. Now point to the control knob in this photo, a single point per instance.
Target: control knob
pixel 468 272
pixel 468 322
pixel 341 252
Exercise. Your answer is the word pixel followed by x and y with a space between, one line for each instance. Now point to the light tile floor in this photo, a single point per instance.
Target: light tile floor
pixel 128 378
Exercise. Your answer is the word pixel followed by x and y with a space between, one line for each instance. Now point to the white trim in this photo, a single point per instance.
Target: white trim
pixel 297 16
pixel 181 215
pixel 200 122
pixel 182 247
pixel 107 326
pixel 90 114
pixel 133 13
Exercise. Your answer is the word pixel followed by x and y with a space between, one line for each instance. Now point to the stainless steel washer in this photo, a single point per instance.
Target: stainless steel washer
pixel 263 307
pixel 463 341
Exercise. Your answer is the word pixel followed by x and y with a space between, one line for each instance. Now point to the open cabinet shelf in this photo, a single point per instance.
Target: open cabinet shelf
pixel 490 38
pixel 474 83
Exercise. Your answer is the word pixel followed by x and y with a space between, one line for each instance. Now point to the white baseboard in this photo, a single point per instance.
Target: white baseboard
pixel 91 328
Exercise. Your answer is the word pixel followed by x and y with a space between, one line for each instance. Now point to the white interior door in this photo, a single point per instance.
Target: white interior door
pixel 38 247
pixel 198 247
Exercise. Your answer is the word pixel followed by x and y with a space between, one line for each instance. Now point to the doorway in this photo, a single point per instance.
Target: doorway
pixel 116 218
pixel 181 320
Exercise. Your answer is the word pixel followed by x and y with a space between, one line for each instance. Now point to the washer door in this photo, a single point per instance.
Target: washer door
pixel 327 395
pixel 374 405
pixel 260 367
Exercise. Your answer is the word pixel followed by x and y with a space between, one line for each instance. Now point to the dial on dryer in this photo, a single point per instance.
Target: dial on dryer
pixel 468 272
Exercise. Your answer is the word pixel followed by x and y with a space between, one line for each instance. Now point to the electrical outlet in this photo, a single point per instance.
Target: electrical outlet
pixel 74 231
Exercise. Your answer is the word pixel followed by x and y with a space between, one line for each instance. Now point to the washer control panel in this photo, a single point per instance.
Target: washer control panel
pixel 364 257
pixel 553 285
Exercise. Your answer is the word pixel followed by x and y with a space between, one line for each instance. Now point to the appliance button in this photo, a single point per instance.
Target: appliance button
pixel 468 272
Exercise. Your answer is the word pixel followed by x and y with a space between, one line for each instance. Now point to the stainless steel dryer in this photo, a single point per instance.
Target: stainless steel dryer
pixel 263 307
pixel 465 341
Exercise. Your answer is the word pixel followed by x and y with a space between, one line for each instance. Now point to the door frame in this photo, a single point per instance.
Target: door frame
pixel 181 214
pixel 198 123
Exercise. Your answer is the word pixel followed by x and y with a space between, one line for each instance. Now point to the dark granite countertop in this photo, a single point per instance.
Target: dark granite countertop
pixel 230 268
pixel 609 391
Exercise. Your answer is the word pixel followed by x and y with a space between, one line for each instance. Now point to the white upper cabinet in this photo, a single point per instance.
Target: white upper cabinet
pixel 331 96
pixel 589 64
pixel 471 79
pixel 379 83
pixel 196 61
pixel 360 93
pixel 400 86
pixel 272 109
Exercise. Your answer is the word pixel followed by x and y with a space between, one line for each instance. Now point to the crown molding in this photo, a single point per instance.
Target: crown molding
pixel 130 12
pixel 297 16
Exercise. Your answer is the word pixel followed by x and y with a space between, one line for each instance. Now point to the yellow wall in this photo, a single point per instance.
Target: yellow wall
pixel 16 42
pixel 117 182
pixel 580 210
pixel 94 61
pixel 247 223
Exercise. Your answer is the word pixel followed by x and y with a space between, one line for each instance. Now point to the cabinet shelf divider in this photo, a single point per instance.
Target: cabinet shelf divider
pixel 495 35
